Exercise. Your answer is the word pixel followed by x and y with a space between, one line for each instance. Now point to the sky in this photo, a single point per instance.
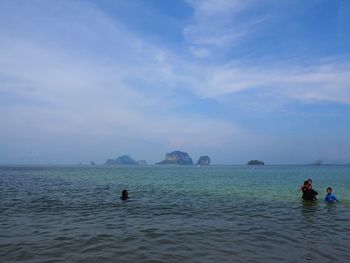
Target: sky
pixel 237 80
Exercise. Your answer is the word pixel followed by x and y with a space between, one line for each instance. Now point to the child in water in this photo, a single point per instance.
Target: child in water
pixel 307 185
pixel 330 198
pixel 310 183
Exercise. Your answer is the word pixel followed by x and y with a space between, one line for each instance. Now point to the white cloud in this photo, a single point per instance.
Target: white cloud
pixel 200 52
pixel 328 82
pixel 217 26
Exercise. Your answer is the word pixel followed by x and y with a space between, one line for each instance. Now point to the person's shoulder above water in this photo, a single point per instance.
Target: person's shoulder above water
pixel 310 195
pixel 125 195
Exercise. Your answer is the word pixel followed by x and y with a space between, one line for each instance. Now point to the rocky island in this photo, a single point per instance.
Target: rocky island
pixel 203 160
pixel 122 160
pixel 255 162
pixel 177 157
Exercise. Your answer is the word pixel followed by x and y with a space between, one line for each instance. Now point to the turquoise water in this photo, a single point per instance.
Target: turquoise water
pixel 175 214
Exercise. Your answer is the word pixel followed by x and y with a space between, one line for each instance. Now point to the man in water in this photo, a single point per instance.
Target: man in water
pixel 125 195
pixel 308 192
pixel 330 198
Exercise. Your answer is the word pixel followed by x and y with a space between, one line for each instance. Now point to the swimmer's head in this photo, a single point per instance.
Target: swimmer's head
pixel 309 180
pixel 125 193
pixel 329 190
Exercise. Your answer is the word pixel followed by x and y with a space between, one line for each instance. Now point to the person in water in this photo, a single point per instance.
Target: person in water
pixel 307 185
pixel 310 182
pixel 304 187
pixel 125 195
pixel 330 198
pixel 308 192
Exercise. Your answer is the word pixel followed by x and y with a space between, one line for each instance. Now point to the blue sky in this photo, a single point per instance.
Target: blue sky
pixel 237 80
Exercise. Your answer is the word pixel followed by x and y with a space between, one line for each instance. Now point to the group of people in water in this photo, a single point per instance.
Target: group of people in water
pixel 310 194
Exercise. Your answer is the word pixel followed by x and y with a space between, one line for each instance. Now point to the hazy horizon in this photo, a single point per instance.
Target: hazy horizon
pixel 194 159
pixel 85 81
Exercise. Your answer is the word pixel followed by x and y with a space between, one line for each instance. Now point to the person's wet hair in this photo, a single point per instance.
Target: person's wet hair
pixel 125 195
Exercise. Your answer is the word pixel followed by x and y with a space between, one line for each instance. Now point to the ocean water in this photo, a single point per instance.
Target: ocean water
pixel 175 214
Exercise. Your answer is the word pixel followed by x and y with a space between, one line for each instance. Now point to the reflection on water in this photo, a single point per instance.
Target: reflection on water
pixel 308 210
pixel 216 214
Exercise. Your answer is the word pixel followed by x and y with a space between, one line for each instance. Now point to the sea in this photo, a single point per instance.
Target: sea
pixel 174 214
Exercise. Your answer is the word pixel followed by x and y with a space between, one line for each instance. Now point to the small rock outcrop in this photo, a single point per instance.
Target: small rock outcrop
pixel 203 160
pixel 255 162
pixel 92 163
pixel 121 160
pixel 177 157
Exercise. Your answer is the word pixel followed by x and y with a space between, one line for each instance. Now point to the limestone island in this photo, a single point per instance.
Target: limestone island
pixel 177 157
pixel 255 162
pixel 203 160
pixel 124 160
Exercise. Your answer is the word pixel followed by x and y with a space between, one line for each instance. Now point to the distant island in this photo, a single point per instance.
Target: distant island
pixel 203 160
pixel 124 160
pixel 255 162
pixel 177 157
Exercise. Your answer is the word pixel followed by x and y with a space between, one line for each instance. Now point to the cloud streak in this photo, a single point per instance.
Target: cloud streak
pixel 217 26
pixel 323 82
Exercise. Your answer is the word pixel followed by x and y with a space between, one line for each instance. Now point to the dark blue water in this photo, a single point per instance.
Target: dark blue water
pixel 175 214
